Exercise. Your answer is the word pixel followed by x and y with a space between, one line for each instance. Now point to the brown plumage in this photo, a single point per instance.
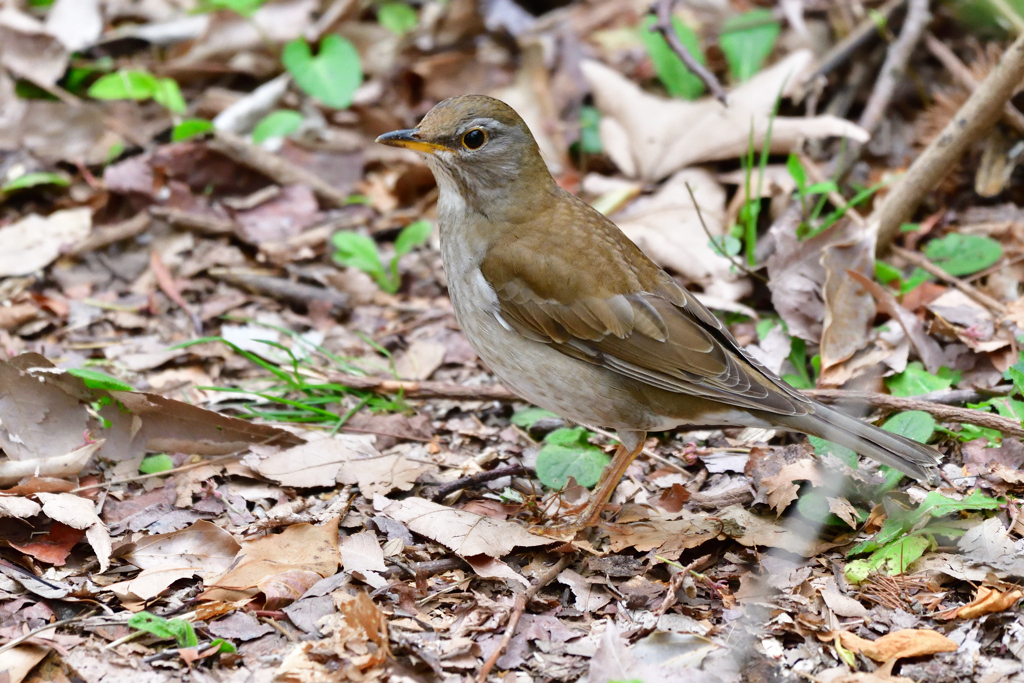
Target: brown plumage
pixel 571 315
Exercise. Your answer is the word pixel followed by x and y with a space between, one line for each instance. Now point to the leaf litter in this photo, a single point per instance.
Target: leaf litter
pixel 206 262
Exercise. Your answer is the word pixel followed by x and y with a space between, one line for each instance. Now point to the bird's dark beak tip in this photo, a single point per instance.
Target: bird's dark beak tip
pixel 396 137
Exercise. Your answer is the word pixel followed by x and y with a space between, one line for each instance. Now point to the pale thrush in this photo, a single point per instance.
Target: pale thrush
pixel 574 318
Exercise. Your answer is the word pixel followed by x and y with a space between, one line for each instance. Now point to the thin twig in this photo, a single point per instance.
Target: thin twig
pixel 844 49
pixel 663 11
pixel 872 400
pixel 936 410
pixel 919 260
pixel 964 76
pixel 975 119
pixel 46 627
pixel 282 288
pixel 715 245
pixel 474 479
pixel 109 234
pixel 275 167
pixel 895 64
pixel 517 612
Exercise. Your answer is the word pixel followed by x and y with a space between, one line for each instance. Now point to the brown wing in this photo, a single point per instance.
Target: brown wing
pixel 634 319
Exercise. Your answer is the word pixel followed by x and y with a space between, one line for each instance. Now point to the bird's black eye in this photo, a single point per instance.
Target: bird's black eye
pixel 474 139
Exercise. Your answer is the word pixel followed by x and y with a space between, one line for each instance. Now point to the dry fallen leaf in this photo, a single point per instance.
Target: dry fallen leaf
pixel 783 487
pixel 79 513
pixel 651 137
pixel 908 642
pixel 203 549
pixel 35 241
pixel 667 228
pixel 466 533
pixel 299 547
pixel 28 50
pixel 987 601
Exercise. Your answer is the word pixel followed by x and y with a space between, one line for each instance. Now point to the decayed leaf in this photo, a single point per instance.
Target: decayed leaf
pixel 348 633
pixel 651 137
pixel 493 568
pixel 849 309
pixel 35 241
pixel 298 547
pixel 667 228
pixel 17 506
pixel 79 513
pixel 989 544
pixel 37 420
pixel 908 642
pixel 203 549
pixel 749 529
pixel 783 487
pixel 841 508
pixel 466 533
pixel 362 553
pixel 75 23
pixel 590 597
pixel 345 459
pixel 689 530
pixel 988 600
pixel 13 471
pixel 28 50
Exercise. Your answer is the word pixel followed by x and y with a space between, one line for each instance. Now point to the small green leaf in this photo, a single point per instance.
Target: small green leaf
pixel 125 85
pixel 190 128
pixel 913 424
pixel 726 245
pixel 527 417
pixel 961 255
pixel 857 571
pixel 797 171
pixel 35 179
pixel 938 505
pixel 567 453
pixel 824 447
pixel 747 40
pixel 1015 373
pixel 152 464
pixel 916 278
pixel 764 326
pixel 359 251
pixel 246 8
pixel 99 380
pixel 894 558
pixel 823 187
pixel 412 236
pixel 332 76
pixel 673 74
pixel 887 274
pixel 590 135
pixel 223 646
pixel 165 629
pixel 397 17
pixel 277 124
pixel 169 95
pixel 915 380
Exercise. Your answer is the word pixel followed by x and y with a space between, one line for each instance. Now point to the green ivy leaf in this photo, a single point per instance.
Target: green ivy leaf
pixel 99 380
pixel 412 236
pixel 276 124
pixel 747 40
pixel 165 629
pixel 590 135
pixel 190 128
pixel 527 417
pixel 913 424
pixel 397 17
pixel 894 558
pixel 332 76
pixel 35 179
pixel 961 255
pixel 169 95
pixel 125 85
pixel 1015 373
pixel 824 447
pixel 673 74
pixel 152 464
pixel 915 380
pixel 567 453
pixel 359 251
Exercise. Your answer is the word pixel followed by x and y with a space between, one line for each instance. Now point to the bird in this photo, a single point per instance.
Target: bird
pixel 573 317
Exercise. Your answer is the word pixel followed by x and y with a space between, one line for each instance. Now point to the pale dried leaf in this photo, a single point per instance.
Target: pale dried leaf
pixel 75 23
pixel 652 137
pixel 466 533
pixel 589 597
pixel 493 568
pixel 361 552
pixel 667 228
pixel 13 471
pixel 19 507
pixel 35 241
pixel 28 50
pixel 908 642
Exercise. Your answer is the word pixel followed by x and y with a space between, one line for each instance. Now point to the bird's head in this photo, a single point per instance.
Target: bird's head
pixel 479 148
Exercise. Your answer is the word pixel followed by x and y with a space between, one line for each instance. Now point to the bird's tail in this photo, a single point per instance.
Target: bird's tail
pixel 910 457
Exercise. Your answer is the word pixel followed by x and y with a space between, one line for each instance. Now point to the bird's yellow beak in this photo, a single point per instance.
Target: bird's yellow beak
pixel 409 139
